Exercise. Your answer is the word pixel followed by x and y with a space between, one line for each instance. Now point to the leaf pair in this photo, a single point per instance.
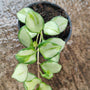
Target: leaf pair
pixel 33 83
pixel 50 49
pixel 30 85
pixel 35 22
pixel 55 26
pixel 49 68
pixel 32 19
pixel 30 80
pixel 20 72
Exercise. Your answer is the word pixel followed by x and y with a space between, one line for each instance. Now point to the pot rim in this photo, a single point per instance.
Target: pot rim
pixel 55 5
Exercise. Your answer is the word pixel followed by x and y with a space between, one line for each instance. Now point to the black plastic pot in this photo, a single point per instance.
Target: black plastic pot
pixel 48 11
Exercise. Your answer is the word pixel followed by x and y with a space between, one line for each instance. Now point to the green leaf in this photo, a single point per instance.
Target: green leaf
pixel 51 67
pixel 61 22
pixel 47 75
pixel 35 44
pixel 56 58
pixel 51 28
pixel 30 77
pixel 57 41
pixel 34 22
pixel 49 49
pixel 20 72
pixel 44 86
pixel 32 84
pixel 25 37
pixel 22 14
pixel 31 34
pixel 26 55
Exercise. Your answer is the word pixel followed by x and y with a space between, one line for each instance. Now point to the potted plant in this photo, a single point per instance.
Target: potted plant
pixel 44 28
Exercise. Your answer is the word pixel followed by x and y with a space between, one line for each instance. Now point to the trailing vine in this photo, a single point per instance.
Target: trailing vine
pixel 50 49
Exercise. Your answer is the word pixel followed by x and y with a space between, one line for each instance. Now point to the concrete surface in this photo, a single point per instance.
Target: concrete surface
pixel 75 58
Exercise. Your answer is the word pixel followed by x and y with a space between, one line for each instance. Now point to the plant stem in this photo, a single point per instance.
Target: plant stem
pixel 42 36
pixel 38 58
pixel 37 40
pixel 38 63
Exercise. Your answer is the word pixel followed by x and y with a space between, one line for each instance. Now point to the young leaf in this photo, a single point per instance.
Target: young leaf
pixel 30 77
pixel 50 66
pixel 35 44
pixel 47 75
pixel 56 58
pixel 25 37
pixel 26 55
pixel 32 84
pixel 49 49
pixel 61 22
pixel 34 22
pixel 22 14
pixel 57 41
pixel 51 28
pixel 44 86
pixel 20 72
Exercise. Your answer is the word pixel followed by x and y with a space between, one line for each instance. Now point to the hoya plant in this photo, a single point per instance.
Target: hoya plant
pixel 50 49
